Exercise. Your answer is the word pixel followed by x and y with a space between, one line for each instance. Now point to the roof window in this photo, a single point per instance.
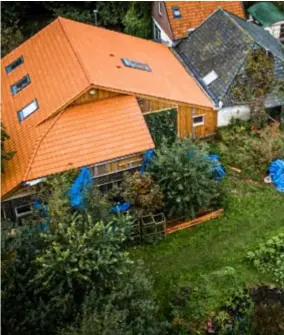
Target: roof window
pixel 27 110
pixel 15 64
pixel 210 77
pixel 136 65
pixel 176 12
pixel 19 85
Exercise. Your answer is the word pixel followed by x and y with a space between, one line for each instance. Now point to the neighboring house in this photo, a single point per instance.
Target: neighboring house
pixel 216 53
pixel 269 16
pixel 174 20
pixel 74 95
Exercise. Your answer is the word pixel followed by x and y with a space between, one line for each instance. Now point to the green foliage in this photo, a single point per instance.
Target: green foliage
pixel 250 149
pixel 255 83
pixel 186 179
pixel 5 155
pixel 129 309
pixel 163 126
pixel 137 20
pixel 142 193
pixel 269 258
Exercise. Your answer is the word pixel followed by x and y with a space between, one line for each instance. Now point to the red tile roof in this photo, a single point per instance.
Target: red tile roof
pixel 63 60
pixel 193 13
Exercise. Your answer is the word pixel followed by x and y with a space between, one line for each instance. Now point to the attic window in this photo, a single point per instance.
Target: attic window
pixel 176 12
pixel 15 64
pixel 27 110
pixel 136 65
pixel 19 85
pixel 210 77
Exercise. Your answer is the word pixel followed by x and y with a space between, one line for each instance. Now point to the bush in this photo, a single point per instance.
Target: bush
pixel 186 178
pixel 142 193
pixel 269 258
pixel 250 149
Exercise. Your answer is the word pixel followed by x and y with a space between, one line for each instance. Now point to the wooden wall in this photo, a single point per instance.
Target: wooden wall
pixel 185 124
pixel 148 106
pixel 99 94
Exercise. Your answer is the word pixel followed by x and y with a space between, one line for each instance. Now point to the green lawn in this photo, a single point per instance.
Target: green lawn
pixel 215 251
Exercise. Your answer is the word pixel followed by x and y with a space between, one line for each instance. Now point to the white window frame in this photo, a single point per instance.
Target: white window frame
pixel 160 8
pixel 29 109
pixel 198 123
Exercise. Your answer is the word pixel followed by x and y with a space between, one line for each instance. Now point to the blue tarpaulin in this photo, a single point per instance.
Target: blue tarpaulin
pixel 43 213
pixel 276 172
pixel 121 208
pixel 218 170
pixel 146 160
pixel 81 185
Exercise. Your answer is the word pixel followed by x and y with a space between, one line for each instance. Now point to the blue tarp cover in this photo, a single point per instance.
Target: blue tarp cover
pixel 218 170
pixel 121 208
pixel 81 185
pixel 146 160
pixel 276 172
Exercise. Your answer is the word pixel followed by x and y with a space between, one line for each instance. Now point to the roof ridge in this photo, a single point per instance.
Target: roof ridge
pixel 87 75
pixel 229 15
pixel 37 145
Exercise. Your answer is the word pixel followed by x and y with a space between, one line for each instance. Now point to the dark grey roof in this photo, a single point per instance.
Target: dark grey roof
pixel 221 43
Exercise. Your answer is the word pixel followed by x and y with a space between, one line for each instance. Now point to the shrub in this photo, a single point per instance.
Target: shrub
pixel 251 149
pixel 269 258
pixel 185 176
pixel 142 193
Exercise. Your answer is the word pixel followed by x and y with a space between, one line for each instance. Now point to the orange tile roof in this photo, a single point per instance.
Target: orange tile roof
pixel 65 59
pixel 92 133
pixel 193 13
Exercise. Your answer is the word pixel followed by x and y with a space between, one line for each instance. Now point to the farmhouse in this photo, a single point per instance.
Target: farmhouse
pixel 174 20
pixel 74 95
pixel 216 52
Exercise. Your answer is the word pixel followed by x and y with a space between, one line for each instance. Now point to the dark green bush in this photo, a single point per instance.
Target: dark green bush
pixel 185 176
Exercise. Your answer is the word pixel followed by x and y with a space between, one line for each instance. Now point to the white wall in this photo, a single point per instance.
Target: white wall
pixel 274 30
pixel 227 113
pixel 164 37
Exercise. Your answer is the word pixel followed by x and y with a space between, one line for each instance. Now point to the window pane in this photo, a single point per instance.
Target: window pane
pixel 198 120
pixel 136 65
pixel 28 110
pixel 22 83
pixel 15 64
pixel 176 12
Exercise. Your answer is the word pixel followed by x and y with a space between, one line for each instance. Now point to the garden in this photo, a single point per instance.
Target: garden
pixel 81 271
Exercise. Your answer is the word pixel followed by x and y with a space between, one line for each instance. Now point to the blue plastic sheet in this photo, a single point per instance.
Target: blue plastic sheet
pixel 80 187
pixel 124 207
pixel 218 170
pixel 276 172
pixel 146 160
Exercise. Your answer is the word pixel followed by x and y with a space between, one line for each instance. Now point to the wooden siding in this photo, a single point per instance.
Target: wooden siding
pixel 152 106
pixel 99 95
pixel 185 124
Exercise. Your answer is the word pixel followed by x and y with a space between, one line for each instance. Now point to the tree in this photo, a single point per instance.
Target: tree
pixel 186 178
pixel 137 20
pixel 142 193
pixel 256 82
pixel 5 155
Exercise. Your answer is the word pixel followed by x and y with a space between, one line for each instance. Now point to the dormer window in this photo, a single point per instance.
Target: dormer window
pixel 136 65
pixel 210 77
pixel 15 64
pixel 27 110
pixel 21 84
pixel 176 12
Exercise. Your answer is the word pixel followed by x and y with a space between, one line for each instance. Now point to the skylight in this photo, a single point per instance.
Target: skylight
pixel 176 12
pixel 19 85
pixel 210 77
pixel 15 64
pixel 135 65
pixel 27 110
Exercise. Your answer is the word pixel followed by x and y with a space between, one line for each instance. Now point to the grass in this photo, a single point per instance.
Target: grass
pixel 214 252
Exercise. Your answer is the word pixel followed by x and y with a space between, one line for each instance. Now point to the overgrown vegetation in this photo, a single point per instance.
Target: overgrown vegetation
pixel 269 258
pixel 186 178
pixel 255 83
pixel 47 277
pixel 249 149
pixel 163 126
